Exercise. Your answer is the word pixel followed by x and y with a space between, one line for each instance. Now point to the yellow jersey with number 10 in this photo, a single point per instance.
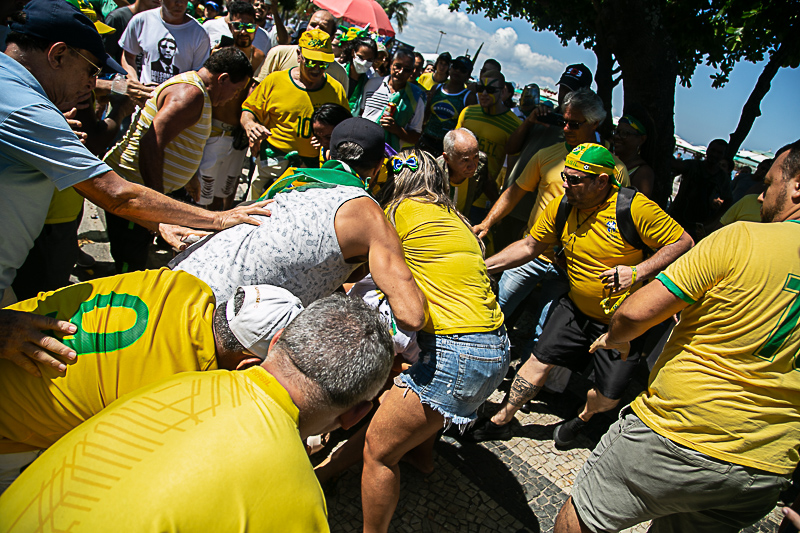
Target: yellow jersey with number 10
pixel 133 329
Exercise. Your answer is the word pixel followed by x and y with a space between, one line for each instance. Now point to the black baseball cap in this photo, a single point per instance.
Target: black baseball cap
pixel 365 133
pixel 576 77
pixel 462 63
pixel 57 21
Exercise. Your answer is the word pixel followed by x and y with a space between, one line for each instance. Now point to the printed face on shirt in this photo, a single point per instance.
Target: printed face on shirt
pixel 167 48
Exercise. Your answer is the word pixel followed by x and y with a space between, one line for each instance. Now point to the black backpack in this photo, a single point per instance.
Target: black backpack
pixel 625 226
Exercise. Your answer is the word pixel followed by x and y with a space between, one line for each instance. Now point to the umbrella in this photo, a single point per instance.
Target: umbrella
pixel 360 12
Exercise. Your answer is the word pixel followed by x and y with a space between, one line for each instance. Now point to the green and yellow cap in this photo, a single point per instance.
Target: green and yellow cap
pixel 84 7
pixel 594 159
pixel 316 45
pixel 353 33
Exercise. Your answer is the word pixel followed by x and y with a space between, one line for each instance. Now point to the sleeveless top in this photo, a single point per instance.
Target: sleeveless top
pixel 445 109
pixel 296 248
pixel 182 156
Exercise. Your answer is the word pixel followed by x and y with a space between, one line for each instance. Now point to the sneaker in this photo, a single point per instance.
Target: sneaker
pixel 526 408
pixel 566 433
pixel 491 431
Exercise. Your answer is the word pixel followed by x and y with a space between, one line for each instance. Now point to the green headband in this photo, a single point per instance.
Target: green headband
pixel 594 159
pixel 633 123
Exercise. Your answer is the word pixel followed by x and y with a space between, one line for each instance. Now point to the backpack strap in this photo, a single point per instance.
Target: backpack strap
pixel 562 214
pixel 627 229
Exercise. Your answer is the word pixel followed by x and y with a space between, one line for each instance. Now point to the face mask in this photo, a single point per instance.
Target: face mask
pixel 361 65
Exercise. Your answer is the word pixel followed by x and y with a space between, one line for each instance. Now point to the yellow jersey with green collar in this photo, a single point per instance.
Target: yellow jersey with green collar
pixel 285 109
pixel 133 329
pixel 592 244
pixel 492 132
pixel 165 457
pixel 728 381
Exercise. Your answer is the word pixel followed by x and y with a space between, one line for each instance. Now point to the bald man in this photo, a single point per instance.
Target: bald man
pixel 464 166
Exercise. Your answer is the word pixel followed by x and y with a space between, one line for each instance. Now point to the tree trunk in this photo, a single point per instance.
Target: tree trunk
pixel 604 79
pixel 752 108
pixel 646 53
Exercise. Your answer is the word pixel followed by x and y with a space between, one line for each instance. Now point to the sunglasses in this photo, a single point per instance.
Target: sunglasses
pixel 400 68
pixel 623 134
pixel 488 88
pixel 316 64
pixel 573 125
pixel 249 27
pixel 95 70
pixel 573 179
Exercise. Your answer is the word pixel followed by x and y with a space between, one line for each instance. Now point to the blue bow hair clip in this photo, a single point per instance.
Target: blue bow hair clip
pixel 410 163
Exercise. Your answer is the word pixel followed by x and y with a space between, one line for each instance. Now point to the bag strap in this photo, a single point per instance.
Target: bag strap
pixel 627 229
pixel 562 214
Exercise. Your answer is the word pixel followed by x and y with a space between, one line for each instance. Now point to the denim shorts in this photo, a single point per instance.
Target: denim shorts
pixel 455 374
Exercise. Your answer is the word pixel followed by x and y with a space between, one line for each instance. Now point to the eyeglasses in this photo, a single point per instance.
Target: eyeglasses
pixel 574 179
pixel 623 134
pixel 316 64
pixel 95 70
pixel 573 124
pixel 488 88
pixel 249 27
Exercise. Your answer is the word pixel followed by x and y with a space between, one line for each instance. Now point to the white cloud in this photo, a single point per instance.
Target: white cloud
pixel 520 63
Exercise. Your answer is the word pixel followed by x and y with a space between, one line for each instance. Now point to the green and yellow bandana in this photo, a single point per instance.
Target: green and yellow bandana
pixel 594 159
pixel 633 123
pixel 351 34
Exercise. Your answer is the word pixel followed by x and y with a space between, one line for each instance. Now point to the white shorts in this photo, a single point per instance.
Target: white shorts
pixel 220 168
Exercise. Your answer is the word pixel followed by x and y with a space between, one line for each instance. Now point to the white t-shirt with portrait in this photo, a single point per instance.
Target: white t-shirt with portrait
pixel 166 49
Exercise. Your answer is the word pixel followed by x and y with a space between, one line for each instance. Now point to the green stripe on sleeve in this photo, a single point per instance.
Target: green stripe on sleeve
pixel 674 289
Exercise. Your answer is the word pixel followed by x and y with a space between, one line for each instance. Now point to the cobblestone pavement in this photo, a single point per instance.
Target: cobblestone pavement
pixel 514 486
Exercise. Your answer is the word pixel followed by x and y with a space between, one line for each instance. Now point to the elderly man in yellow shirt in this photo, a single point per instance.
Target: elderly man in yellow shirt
pixel 602 267
pixel 133 329
pixel 218 450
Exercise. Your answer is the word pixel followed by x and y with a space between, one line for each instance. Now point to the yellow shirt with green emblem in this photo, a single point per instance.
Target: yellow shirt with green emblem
pixel 593 244
pixel 446 260
pixel 134 329
pixel 196 452
pixel 492 132
pixel 182 155
pixel 285 109
pixel 728 381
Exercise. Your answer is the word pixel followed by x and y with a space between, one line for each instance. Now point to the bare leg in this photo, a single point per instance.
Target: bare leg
pixel 347 455
pixel 421 457
pixel 596 403
pixel 526 385
pixel 401 424
pixel 568 520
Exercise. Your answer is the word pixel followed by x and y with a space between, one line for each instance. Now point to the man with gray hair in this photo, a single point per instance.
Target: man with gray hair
pixel 583 113
pixel 178 450
pixel 464 166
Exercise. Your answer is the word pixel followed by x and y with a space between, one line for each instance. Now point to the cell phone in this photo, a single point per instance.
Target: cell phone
pixel 554 119
pixel 226 40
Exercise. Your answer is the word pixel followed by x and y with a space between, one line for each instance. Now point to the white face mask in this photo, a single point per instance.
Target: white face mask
pixel 361 65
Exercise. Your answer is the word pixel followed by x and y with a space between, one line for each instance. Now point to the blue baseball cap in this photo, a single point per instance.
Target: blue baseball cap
pixel 57 21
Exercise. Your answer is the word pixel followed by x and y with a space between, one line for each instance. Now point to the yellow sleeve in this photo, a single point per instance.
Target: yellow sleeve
pixel 705 265
pixel 656 228
pixel 256 103
pixel 460 123
pixel 544 229
pixel 622 173
pixel 529 178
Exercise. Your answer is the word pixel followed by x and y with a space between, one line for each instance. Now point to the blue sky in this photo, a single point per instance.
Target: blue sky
pixel 701 113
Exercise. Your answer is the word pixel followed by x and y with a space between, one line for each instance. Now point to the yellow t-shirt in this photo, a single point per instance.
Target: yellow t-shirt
pixel 728 381
pixel 747 209
pixel 595 245
pixel 65 206
pixel 285 109
pixel 134 329
pixel 196 452
pixel 492 132
pixel 284 57
pixel 542 175
pixel 425 81
pixel 446 261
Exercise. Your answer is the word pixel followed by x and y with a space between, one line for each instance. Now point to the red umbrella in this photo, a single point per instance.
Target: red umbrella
pixel 361 13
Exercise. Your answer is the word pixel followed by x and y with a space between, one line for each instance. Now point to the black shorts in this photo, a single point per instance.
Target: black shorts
pixel 565 341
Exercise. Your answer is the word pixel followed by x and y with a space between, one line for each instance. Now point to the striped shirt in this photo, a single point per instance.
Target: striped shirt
pixel 182 156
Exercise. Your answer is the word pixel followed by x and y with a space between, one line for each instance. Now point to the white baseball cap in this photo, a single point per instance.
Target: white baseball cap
pixel 266 310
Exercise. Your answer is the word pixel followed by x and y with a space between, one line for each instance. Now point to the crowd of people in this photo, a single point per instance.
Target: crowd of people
pixel 397 219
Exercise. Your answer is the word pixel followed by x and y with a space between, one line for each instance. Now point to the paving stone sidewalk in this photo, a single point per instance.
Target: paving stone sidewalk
pixel 513 486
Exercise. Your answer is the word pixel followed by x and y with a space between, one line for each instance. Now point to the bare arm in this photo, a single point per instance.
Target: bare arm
pixel 504 205
pixel 515 254
pixel 517 139
pixel 129 64
pixel 180 106
pixel 133 201
pixel 280 28
pixel 407 135
pixel 256 132
pixel 643 180
pixel 365 234
pixel 649 267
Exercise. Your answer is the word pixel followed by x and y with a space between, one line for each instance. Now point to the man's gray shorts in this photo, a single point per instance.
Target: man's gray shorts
pixel 635 475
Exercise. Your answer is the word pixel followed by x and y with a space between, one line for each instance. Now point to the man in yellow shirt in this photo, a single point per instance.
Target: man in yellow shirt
pixel 277 114
pixel 713 440
pixel 602 268
pixel 218 450
pixel 133 329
